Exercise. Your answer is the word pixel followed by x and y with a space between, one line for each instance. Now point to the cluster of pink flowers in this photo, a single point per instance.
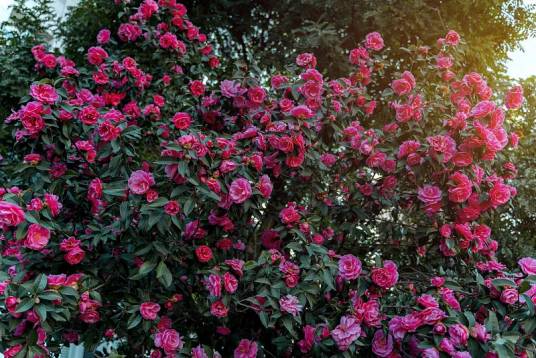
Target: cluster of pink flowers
pixel 247 201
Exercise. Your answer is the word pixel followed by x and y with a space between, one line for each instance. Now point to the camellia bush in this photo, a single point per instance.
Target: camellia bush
pixel 151 203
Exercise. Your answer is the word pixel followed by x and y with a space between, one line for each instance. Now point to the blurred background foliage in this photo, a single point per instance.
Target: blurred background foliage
pixel 264 36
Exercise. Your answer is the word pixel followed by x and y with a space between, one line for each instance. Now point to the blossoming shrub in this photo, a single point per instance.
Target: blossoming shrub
pixel 152 204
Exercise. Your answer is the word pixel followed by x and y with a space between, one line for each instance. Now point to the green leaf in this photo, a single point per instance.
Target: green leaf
pixel 25 305
pixel 145 268
pixel 42 312
pixel 133 321
pixel 287 322
pixel 503 351
pixel 40 282
pixel 188 206
pixel 50 296
pixel 492 323
pixel 163 274
pixel 264 319
pixel 501 282
pixel 470 318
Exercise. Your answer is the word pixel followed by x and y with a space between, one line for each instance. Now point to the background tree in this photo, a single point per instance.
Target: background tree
pixel 281 29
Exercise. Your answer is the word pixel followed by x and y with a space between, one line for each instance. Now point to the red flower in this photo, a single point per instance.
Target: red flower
pixel 197 88
pixel 203 253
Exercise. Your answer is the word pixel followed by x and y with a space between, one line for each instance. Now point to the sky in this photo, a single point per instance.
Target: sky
pixel 522 63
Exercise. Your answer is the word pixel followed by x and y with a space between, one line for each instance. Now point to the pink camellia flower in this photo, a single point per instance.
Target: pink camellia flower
pixel 444 61
pixel 140 182
pixel 149 310
pixel 203 253
pixel 346 332
pixel 10 214
pixel 459 334
pixel 462 189
pixel 53 204
pixel 509 296
pixel 230 283
pixel 32 159
pixel 328 159
pixel 168 40
pixel 198 352
pixel 240 190
pixel 437 281
pixel 306 60
pixel 442 145
pixel 256 95
pixel 429 194
pixel 213 285
pixel 462 159
pixel 289 215
pixel 382 345
pixel 74 256
pixel 12 352
pixel 301 112
pixel 446 346
pixel 479 332
pixel 103 37
pixel 231 89
pixel 182 120
pixel 499 194
pixel 89 115
pixel 349 267
pixel 290 304
pixel 308 341
pixel 430 353
pixel 452 38
pixel 514 98
pixel 169 340
pixel 387 276
pixel 374 41
pixel 108 132
pixel 172 207
pixel 482 109
pixel 278 81
pixel 447 295
pixel 246 349
pixel 96 55
pixel 427 301
pixel 404 85
pixel 129 32
pixel 265 186
pixel 218 309
pixel 44 93
pixel 37 237
pixel 197 88
pixel 527 265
